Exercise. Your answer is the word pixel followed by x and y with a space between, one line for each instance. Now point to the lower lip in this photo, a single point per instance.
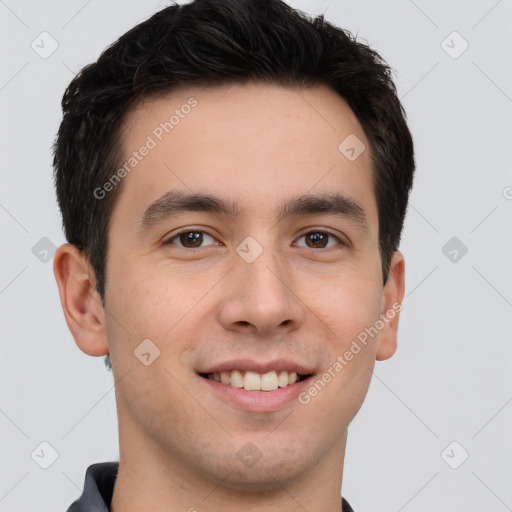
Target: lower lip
pixel 258 401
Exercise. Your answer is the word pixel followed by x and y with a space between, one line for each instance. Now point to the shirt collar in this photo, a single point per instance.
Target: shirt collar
pixel 98 488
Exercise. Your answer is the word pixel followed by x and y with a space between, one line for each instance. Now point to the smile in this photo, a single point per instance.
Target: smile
pixel 253 381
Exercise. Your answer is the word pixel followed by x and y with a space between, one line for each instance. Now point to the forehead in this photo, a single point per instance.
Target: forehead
pixel 251 141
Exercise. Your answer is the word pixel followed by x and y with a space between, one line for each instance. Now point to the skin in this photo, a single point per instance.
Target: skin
pixel 257 145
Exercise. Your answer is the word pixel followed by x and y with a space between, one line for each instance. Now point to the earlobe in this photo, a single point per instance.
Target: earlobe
pixel 392 304
pixel 80 301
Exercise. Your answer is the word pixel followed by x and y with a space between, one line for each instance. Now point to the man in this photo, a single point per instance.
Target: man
pixel 233 178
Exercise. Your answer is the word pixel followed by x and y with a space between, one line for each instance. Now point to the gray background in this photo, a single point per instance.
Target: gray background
pixel 450 380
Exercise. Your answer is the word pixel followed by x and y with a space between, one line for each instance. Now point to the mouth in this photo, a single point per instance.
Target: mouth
pixel 255 381
pixel 257 386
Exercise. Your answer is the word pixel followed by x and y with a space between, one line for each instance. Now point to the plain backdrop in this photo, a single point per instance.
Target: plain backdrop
pixel 435 430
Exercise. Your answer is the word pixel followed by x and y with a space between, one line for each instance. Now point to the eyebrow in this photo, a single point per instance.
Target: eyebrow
pixel 177 202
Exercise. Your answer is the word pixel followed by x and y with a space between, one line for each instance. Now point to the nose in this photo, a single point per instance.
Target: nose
pixel 259 298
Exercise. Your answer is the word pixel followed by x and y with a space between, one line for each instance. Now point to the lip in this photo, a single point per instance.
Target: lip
pixel 257 401
pixel 259 367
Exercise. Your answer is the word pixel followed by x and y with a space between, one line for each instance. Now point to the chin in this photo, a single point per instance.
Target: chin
pixel 252 470
pixel 266 478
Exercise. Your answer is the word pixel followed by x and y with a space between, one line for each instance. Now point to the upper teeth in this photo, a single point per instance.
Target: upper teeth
pixel 269 381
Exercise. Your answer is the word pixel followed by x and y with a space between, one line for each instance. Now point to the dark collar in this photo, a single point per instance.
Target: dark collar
pixel 98 488
pixel 345 507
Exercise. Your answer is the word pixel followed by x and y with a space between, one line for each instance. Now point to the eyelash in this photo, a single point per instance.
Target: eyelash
pixel 170 240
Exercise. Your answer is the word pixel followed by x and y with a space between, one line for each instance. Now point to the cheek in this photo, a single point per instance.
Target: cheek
pixel 349 305
pixel 135 312
pixel 143 304
pixel 355 311
pixel 138 294
pixel 349 310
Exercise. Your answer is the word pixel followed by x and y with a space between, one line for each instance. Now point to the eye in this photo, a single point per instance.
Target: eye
pixel 195 239
pixel 319 239
pixel 190 239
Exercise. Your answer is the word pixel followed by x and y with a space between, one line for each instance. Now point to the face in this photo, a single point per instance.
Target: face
pixel 252 278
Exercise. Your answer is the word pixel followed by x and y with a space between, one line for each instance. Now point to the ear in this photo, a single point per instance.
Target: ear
pixel 391 306
pixel 80 301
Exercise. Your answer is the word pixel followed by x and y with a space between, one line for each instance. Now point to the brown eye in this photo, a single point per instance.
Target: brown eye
pixel 319 239
pixel 189 239
pixel 194 238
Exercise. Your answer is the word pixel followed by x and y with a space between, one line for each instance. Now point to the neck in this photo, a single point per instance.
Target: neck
pixel 151 476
